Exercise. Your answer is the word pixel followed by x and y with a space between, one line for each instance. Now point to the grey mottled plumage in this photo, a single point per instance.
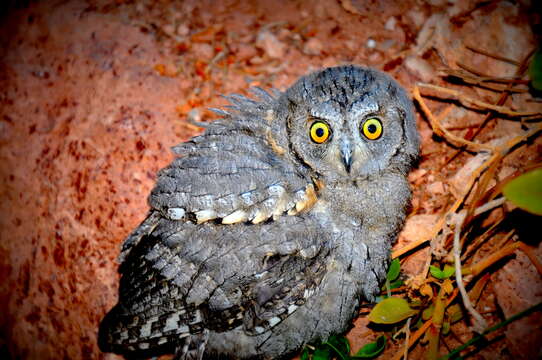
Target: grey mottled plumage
pixel 268 229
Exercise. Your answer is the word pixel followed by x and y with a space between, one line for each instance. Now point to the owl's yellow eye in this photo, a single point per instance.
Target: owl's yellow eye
pixel 319 132
pixel 372 129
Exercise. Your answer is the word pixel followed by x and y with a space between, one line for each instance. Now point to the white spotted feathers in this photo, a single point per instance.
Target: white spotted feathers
pixel 276 202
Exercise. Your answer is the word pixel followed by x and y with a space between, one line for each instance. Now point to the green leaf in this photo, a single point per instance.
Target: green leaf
pixel 394 270
pixel 340 345
pixel 427 313
pixel 436 272
pixel 448 270
pixel 535 70
pixel 390 311
pixel 455 313
pixel 322 353
pixel 395 284
pixel 525 191
pixel 445 328
pixel 372 349
pixel 305 354
pixel 442 274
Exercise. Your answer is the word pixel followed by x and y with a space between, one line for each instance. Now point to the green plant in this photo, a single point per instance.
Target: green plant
pixel 525 191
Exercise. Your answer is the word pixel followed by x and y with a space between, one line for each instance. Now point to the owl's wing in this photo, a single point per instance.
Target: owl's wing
pixel 231 174
pixel 194 263
pixel 235 172
pixel 185 277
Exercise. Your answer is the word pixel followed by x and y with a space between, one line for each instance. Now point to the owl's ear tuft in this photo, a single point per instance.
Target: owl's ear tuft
pixel 292 105
pixel 392 89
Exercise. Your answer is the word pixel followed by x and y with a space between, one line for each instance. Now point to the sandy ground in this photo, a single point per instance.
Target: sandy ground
pixel 95 93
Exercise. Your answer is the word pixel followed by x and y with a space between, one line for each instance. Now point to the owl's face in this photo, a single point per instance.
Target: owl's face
pixel 351 122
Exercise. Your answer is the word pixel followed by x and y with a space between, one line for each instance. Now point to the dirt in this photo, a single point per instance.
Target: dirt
pixel 94 94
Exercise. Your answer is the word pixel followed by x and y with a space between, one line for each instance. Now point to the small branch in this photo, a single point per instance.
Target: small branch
pixel 522 68
pixel 489 206
pixel 413 339
pixel 481 239
pixel 497 57
pixel 423 328
pixel 441 131
pixel 476 290
pixel 510 144
pixel 479 192
pixel 534 259
pixel 434 232
pixel 483 264
pixel 393 291
pixel 495 84
pixel 505 239
pixel 467 101
pixel 437 319
pixel 500 152
pixel 440 223
pixel 516 79
pixel 479 323
pixel 407 339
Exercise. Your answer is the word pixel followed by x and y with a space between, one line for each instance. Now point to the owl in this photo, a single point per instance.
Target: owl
pixel 266 231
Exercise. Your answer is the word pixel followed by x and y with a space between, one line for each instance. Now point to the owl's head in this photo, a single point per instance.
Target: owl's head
pixel 349 122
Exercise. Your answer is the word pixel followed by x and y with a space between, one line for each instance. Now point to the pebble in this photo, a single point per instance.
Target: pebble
pixel 420 68
pixel 272 46
pixel 436 188
pixel 182 30
pixel 313 47
pixel 203 51
pixel 390 23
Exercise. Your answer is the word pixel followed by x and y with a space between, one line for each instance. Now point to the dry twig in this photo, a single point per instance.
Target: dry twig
pixel 481 239
pixel 470 102
pixel 479 323
pixel 488 54
pixel 441 131
pixel 499 153
pixel 407 339
pixel 485 81
pixel 522 68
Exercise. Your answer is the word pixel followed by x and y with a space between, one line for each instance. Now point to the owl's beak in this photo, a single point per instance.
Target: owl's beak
pixel 346 154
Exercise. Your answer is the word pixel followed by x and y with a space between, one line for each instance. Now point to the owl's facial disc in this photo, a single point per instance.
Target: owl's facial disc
pixel 338 140
pixel 346 145
pixel 349 123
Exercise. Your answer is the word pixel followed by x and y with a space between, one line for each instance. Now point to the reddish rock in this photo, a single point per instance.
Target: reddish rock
pixel 313 47
pixel 417 227
pixel 272 46
pixel 518 286
pixel 82 153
